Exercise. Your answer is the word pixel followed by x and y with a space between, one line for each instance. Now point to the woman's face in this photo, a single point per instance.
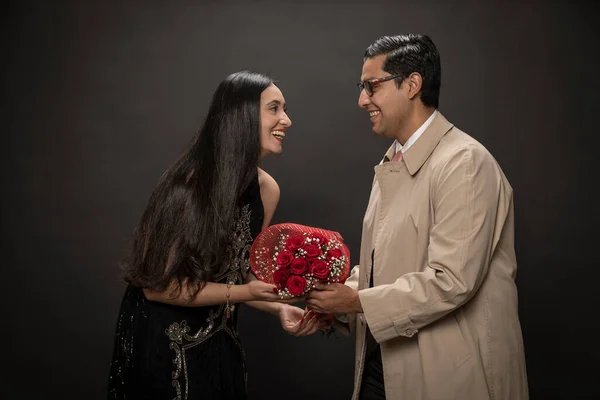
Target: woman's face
pixel 273 121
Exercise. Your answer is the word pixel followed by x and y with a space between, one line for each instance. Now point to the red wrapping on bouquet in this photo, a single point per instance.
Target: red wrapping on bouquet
pixel 295 257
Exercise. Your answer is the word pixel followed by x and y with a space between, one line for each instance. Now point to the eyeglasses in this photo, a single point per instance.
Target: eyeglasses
pixel 368 85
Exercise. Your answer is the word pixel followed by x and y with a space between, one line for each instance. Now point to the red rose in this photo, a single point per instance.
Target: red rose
pixel 298 265
pixel 313 251
pixel 294 243
pixel 321 238
pixel 281 276
pixel 296 285
pixel 320 269
pixel 284 258
pixel 335 253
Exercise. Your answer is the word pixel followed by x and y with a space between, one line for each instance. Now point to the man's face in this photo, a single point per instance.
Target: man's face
pixel 388 106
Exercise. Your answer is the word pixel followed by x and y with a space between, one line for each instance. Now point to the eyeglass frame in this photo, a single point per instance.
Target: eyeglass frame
pixel 368 85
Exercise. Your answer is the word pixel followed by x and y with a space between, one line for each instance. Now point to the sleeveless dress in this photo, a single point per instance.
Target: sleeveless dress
pixel 163 351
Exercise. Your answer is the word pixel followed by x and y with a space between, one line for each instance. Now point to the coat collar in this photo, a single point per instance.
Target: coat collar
pixel 419 152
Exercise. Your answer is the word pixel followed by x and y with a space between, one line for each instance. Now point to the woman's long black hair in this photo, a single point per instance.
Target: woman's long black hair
pixel 185 230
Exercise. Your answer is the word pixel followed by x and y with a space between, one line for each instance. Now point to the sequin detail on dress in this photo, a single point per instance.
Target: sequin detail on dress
pixel 235 271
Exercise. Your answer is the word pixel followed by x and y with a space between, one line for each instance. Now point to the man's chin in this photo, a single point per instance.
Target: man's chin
pixel 383 133
pixel 378 131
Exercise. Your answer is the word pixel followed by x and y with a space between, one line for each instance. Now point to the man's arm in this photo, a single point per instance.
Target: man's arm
pixel 466 194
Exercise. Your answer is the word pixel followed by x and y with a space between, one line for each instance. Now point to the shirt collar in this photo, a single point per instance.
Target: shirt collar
pixel 413 138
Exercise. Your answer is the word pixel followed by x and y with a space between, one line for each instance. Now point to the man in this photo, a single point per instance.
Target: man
pixel 434 292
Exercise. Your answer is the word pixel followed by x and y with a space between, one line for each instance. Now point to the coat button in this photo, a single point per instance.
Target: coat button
pixel 409 332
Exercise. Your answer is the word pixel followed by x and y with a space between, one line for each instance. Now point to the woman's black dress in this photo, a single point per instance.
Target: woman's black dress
pixel 170 352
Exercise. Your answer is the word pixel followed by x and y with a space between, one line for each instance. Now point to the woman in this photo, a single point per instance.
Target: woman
pixel 176 332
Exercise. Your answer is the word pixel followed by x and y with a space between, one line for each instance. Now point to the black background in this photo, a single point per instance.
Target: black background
pixel 101 97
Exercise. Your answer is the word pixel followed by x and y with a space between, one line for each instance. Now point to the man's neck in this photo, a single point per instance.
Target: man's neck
pixel 418 118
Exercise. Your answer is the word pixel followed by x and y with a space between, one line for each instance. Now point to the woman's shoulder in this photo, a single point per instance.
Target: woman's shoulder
pixel 269 193
pixel 268 184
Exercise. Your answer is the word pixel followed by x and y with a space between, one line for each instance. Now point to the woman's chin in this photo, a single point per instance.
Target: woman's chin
pixel 277 149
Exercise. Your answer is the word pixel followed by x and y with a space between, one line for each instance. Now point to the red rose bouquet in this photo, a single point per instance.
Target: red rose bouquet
pixel 295 257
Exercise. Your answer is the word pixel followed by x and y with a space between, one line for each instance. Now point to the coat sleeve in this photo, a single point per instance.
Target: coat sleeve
pixel 465 192
pixel 352 280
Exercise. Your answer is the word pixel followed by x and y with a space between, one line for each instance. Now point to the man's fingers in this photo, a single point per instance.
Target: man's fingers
pixel 324 286
pixel 319 294
pixel 316 308
pixel 311 295
pixel 315 294
pixel 291 300
pixel 314 304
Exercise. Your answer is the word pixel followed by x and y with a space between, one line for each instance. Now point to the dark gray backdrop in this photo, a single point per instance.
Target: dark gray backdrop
pixel 100 98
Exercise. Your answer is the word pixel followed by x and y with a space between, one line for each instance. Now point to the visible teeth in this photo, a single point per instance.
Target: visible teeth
pixel 373 113
pixel 279 134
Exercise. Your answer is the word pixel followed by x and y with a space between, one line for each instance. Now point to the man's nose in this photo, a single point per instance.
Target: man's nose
pixel 363 100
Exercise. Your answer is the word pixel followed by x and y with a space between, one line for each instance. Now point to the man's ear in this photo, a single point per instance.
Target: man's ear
pixel 415 83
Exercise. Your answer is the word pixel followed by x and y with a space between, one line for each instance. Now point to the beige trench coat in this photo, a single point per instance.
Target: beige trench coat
pixel 444 302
